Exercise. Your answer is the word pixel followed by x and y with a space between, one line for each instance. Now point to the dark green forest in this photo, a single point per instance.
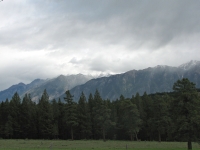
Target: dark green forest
pixel 171 116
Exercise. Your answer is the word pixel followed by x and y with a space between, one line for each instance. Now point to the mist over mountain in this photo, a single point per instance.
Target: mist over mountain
pixel 20 89
pixel 149 80
pixel 55 87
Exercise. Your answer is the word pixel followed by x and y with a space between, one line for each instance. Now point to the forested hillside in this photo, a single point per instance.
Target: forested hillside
pixel 161 116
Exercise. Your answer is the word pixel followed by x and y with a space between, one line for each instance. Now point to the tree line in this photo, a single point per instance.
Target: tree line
pixel 160 117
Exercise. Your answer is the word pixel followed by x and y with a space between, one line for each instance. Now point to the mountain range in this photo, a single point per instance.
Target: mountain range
pixel 54 87
pixel 149 80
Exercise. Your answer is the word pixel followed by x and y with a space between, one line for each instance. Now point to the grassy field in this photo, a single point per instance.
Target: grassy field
pixel 90 145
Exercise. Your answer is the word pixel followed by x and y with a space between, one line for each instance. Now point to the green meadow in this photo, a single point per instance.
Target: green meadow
pixel 92 145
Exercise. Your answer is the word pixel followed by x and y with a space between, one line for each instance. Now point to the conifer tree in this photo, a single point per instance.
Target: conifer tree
pixel 26 116
pixel 146 116
pixel 83 118
pixel 15 107
pixel 138 102
pixel 61 120
pixel 55 112
pixel 91 114
pixel 130 118
pixel 103 118
pixel 97 103
pixel 45 116
pixel 160 119
pixel 71 115
pixel 5 112
pixel 111 133
pixel 186 111
pixel 8 130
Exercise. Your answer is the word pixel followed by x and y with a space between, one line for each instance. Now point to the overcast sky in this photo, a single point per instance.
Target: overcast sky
pixel 46 38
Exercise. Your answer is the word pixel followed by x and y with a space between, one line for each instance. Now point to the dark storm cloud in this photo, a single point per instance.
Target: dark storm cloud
pixel 154 22
pixel 58 24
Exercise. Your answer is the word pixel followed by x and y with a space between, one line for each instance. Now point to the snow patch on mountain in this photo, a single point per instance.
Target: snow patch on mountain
pixel 189 65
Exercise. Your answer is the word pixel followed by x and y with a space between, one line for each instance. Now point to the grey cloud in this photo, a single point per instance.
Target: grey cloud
pixel 158 29
pixel 74 61
pixel 64 24
pixel 25 71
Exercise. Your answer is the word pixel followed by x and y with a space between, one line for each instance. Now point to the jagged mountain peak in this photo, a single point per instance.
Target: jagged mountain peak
pixel 189 64
pixel 17 85
pixel 37 81
pixel 21 83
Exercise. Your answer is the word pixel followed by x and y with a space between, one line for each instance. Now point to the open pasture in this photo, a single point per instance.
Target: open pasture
pixel 91 145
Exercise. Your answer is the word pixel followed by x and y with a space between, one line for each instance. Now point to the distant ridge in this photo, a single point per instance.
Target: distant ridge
pixel 20 89
pixel 57 86
pixel 151 80
pixel 53 86
pixel 189 65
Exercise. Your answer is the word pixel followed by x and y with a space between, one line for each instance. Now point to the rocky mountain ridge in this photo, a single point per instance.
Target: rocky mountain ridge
pixel 55 87
pixel 149 80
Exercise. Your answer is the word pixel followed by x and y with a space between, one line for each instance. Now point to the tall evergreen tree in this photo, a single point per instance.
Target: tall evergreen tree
pixel 160 119
pixel 71 115
pixel 91 114
pixel 28 118
pixel 120 130
pixel 33 134
pixel 61 120
pixel 83 118
pixel 186 110
pixel 55 112
pixel 130 119
pixel 5 113
pixel 45 116
pixel 146 115
pixel 15 107
pixel 103 118
pixel 138 102
pixel 8 130
pixel 97 103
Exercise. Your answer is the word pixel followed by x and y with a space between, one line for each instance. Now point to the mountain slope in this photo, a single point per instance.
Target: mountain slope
pixel 150 80
pixel 20 89
pixel 57 86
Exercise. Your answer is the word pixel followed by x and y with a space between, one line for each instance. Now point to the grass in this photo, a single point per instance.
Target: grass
pixel 91 145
